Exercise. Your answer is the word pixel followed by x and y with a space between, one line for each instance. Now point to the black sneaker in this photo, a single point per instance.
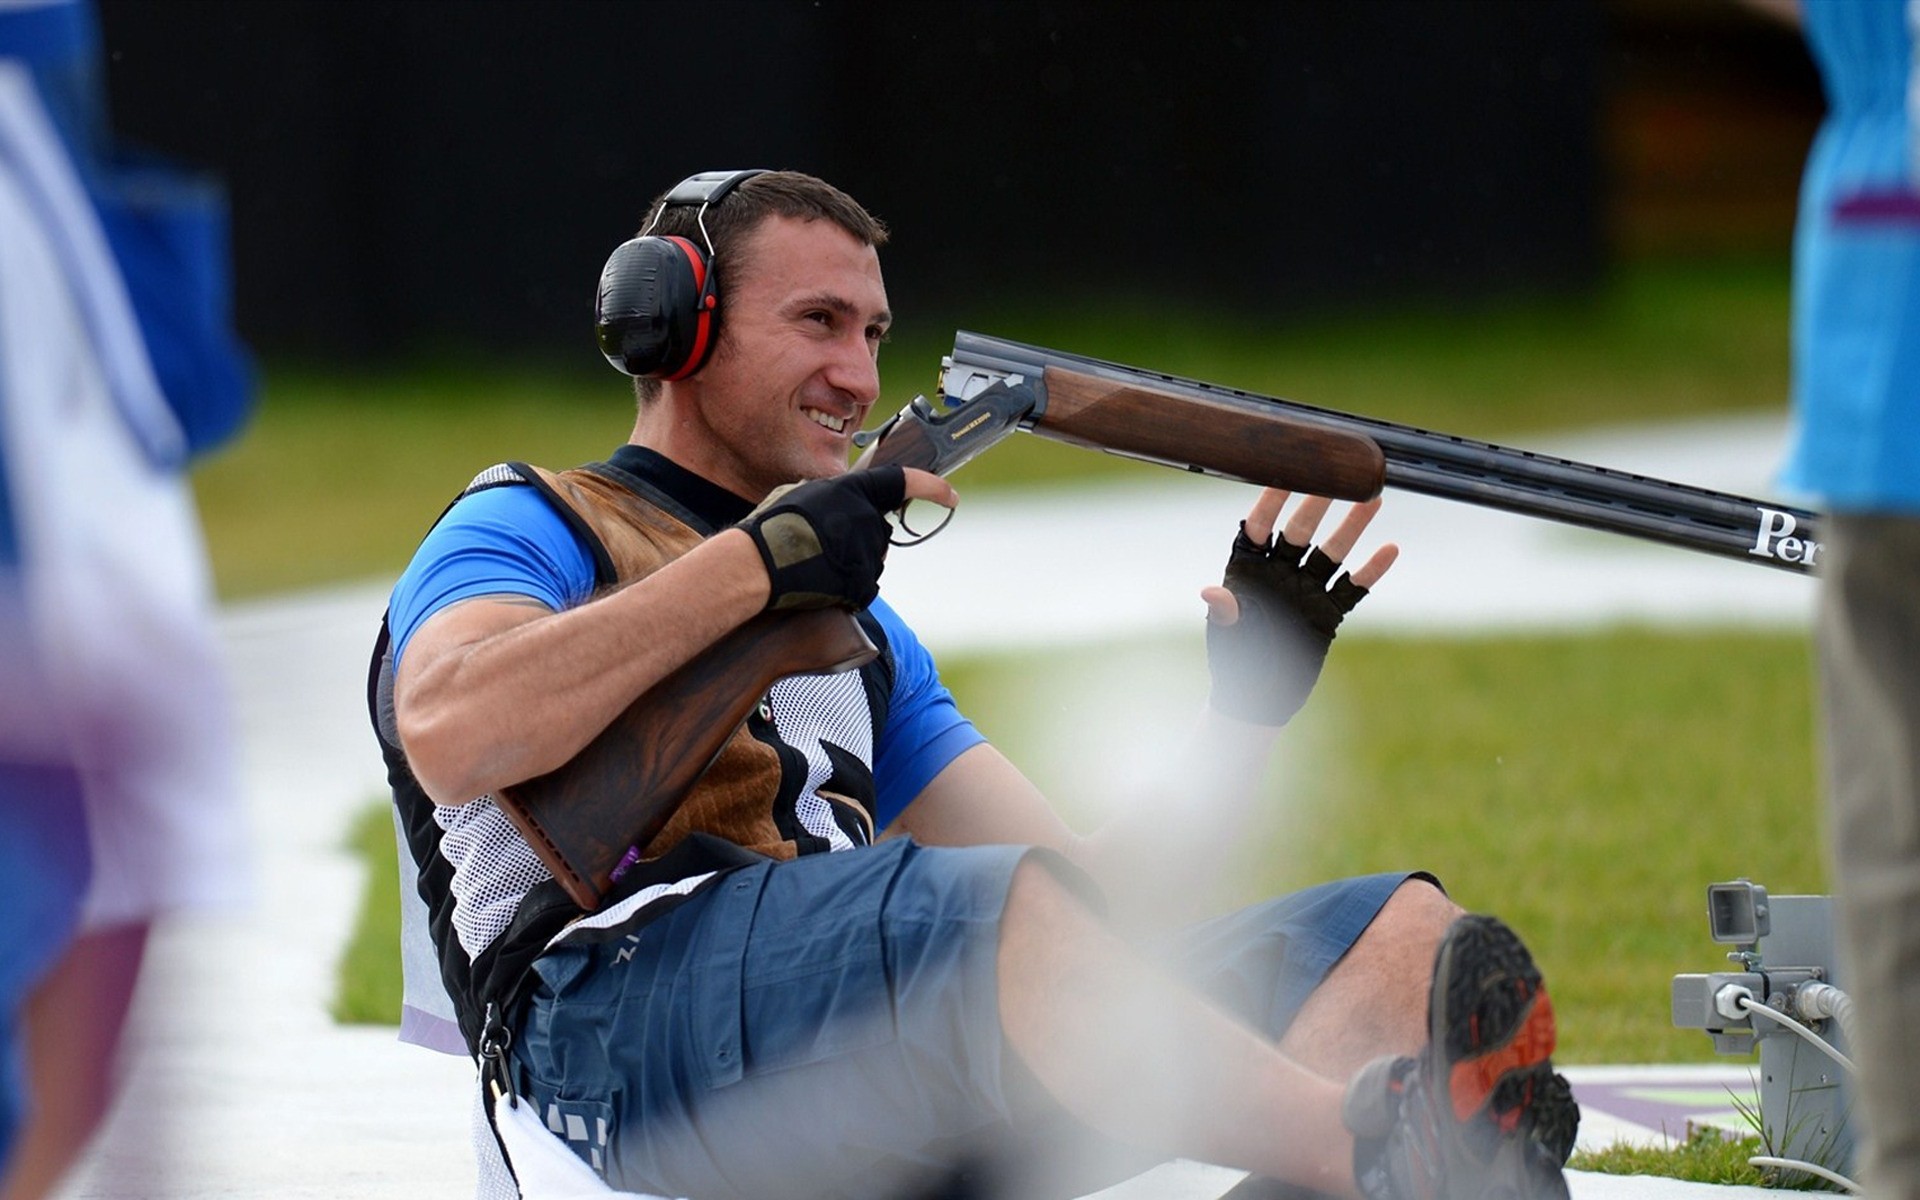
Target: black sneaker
pixel 1480 1113
pixel 1553 1117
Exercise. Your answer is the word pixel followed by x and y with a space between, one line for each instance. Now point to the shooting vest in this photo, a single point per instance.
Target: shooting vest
pixel 796 778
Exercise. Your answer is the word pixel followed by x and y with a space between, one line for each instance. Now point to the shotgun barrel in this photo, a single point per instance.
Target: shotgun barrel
pixel 1450 467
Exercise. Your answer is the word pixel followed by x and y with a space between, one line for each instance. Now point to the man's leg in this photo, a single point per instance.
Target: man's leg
pixel 1149 1063
pixel 825 1027
pixel 1374 1001
pixel 673 1052
pixel 857 1024
pixel 1152 1064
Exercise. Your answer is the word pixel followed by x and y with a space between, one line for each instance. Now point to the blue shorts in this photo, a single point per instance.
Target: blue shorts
pixel 829 1026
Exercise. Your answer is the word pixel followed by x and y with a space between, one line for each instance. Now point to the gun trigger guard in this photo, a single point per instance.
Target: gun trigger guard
pixel 900 516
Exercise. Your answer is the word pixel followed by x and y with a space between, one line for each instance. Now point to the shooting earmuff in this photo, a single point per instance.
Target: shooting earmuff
pixel 654 311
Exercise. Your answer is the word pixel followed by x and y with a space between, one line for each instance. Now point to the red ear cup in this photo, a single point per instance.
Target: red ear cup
pixel 653 310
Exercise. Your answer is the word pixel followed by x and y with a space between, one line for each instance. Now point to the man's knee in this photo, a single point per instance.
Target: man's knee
pixel 1404 934
pixel 1374 1001
pixel 1418 909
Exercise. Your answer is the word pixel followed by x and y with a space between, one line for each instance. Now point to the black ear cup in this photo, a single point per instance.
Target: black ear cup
pixel 653 312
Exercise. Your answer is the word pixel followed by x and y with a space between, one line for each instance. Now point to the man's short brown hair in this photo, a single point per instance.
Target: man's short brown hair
pixel 731 222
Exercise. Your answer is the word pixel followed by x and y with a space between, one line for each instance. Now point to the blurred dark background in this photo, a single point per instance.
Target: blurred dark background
pixel 439 175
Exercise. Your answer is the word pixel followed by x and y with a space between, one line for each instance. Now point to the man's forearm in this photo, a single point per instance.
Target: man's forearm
pixel 1160 859
pixel 495 699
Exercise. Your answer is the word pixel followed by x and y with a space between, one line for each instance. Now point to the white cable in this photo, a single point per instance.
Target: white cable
pixel 1794 1164
pixel 1748 1005
pixel 1817 1000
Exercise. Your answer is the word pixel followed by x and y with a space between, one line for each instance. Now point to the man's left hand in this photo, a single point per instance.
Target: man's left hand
pixel 1271 622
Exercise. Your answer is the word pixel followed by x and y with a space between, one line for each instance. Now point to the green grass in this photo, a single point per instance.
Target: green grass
pixel 368 991
pixel 1711 1155
pixel 1705 1156
pixel 340 474
pixel 344 467
pixel 1586 787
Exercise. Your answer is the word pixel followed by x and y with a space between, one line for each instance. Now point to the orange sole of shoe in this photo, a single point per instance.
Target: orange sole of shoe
pixel 1472 1081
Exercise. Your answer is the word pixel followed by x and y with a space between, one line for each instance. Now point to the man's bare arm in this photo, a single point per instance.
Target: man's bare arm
pixel 493 691
pixel 981 798
pixel 1154 860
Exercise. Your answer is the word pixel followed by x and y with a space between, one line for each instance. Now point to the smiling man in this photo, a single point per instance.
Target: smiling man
pixel 864 958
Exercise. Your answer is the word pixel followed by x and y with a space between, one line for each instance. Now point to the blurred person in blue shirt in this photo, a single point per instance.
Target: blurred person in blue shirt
pixel 116 775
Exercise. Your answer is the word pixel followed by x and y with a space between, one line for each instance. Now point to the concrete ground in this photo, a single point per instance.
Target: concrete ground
pixel 244 1087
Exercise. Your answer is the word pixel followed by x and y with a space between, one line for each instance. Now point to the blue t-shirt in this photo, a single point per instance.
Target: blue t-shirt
pixel 508 540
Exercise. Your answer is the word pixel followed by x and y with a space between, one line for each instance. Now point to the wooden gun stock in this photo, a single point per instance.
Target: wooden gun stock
pixel 618 792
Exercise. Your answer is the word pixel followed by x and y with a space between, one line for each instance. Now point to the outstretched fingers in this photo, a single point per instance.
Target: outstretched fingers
pixel 1305 520
pixel 1279 604
pixel 1331 554
pixel 1265 513
pixel 1369 572
pixel 1341 542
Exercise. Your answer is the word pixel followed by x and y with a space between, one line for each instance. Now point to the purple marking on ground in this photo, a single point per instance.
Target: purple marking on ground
pixel 1667 1105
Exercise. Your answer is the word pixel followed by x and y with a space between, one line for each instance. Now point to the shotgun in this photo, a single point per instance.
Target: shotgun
pixel 1435 464
pixel 591 816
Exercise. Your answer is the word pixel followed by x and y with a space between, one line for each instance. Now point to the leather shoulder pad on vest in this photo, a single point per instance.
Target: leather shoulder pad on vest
pixel 639 535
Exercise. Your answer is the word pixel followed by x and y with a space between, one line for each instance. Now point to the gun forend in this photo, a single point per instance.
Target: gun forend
pixel 1162 419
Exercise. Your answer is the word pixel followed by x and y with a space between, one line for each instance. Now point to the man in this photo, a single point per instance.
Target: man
pixel 755 1014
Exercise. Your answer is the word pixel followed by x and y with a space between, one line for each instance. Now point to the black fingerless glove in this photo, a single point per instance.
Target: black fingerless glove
pixel 824 542
pixel 1265 664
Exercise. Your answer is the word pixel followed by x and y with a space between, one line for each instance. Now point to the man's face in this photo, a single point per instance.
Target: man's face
pixel 797 365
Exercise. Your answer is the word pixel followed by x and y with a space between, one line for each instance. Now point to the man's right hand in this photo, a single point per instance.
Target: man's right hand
pixel 824 542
